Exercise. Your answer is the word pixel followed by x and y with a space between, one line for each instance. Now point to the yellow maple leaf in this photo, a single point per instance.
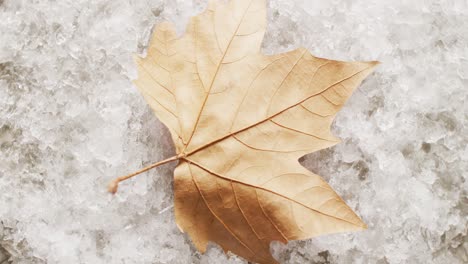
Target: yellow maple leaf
pixel 240 120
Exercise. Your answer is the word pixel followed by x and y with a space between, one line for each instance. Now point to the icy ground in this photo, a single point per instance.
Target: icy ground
pixel 70 120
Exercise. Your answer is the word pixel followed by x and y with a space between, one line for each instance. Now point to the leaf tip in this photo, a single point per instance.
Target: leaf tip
pixel 336 140
pixel 373 64
pixel 364 226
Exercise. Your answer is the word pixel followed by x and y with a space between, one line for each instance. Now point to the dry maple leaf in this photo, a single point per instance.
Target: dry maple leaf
pixel 240 120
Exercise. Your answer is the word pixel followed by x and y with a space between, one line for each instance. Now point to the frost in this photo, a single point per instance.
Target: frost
pixel 70 120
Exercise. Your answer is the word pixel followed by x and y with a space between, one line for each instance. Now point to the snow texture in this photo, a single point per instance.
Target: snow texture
pixel 71 120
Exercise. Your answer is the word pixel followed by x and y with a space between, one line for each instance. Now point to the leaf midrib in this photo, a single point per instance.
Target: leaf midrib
pixel 220 63
pixel 269 117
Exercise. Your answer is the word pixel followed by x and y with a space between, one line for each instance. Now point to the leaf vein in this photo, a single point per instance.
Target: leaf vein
pixel 215 215
pixel 268 190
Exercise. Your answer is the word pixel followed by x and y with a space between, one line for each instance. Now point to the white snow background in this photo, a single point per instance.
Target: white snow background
pixel 71 120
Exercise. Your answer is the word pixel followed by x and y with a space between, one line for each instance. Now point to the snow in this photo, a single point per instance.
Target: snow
pixel 71 120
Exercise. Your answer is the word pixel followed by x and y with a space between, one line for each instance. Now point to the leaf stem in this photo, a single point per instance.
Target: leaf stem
pixel 114 184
